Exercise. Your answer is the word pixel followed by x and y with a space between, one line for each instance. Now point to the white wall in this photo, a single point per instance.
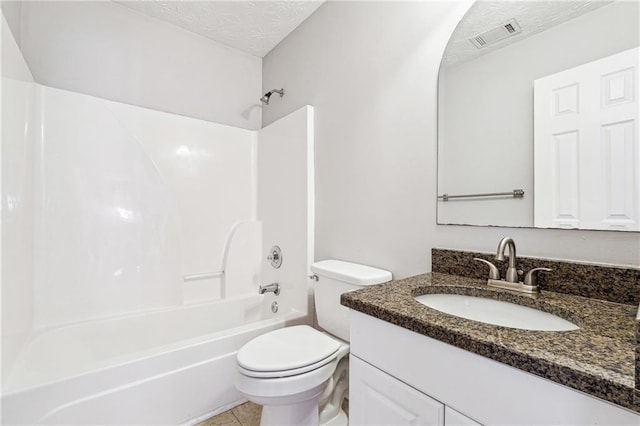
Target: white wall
pixel 12 11
pixel 493 151
pixel 370 70
pixel 107 50
pixel 17 154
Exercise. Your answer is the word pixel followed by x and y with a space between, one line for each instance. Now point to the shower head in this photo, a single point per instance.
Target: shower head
pixel 265 98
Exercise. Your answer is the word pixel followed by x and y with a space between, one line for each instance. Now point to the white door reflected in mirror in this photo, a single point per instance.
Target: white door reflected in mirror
pixel 586 119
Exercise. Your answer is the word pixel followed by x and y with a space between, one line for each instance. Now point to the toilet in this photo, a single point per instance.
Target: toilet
pixel 299 374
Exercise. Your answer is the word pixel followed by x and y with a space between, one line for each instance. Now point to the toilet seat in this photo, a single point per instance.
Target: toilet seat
pixel 287 352
pixel 290 372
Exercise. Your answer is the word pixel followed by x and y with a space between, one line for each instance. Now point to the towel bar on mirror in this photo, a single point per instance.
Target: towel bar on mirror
pixel 516 193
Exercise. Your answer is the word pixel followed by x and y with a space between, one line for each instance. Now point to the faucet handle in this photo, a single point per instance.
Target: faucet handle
pixel 532 278
pixel 494 273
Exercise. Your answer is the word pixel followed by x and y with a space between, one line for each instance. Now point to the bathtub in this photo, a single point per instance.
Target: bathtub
pixel 173 366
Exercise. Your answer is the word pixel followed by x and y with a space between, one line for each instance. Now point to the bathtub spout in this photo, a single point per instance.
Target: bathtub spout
pixel 270 288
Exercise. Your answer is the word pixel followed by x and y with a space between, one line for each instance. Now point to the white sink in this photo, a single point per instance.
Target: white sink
pixel 496 312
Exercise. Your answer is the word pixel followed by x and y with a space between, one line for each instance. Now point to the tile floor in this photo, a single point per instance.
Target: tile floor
pixel 247 414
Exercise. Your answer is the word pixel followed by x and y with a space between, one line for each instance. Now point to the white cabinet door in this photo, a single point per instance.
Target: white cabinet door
pixel 376 398
pixel 586 150
pixel 453 418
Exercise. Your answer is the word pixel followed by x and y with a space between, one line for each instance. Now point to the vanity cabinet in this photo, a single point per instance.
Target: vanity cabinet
pixel 376 398
pixel 399 377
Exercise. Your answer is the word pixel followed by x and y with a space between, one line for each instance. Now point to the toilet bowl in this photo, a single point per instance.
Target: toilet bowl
pixel 299 374
pixel 287 370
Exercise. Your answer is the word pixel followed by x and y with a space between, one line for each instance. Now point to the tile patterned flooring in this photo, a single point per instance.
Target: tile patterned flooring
pixel 247 414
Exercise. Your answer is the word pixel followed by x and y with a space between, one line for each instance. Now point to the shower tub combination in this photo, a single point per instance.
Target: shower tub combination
pixel 166 367
pixel 149 237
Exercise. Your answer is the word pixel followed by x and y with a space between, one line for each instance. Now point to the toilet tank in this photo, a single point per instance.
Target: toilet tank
pixel 334 278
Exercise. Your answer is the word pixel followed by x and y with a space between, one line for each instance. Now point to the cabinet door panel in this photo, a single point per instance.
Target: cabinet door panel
pixel 375 398
pixel 453 418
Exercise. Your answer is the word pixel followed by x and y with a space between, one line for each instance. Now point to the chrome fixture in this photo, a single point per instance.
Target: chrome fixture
pixel 516 193
pixel 274 307
pixel 275 256
pixel 265 98
pixel 518 286
pixel 494 273
pixel 270 288
pixel 511 281
pixel 512 273
pixel 531 279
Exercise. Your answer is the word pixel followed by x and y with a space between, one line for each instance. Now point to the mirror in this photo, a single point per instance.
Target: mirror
pixel 538 116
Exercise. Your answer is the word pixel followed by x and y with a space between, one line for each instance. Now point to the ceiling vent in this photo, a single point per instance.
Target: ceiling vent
pixel 496 34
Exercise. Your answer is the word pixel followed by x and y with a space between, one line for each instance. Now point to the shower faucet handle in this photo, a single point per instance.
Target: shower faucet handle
pixel 275 256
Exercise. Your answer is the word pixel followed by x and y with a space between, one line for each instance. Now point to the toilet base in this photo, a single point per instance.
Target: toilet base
pixel 302 410
pixel 299 414
pixel 340 420
pixel 284 415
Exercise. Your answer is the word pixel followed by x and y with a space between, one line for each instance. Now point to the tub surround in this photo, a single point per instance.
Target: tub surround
pixel 617 284
pixel 598 359
pixel 135 296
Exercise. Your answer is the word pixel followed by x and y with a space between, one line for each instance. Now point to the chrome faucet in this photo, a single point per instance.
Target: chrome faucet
pixel 270 288
pixel 512 273
pixel 511 281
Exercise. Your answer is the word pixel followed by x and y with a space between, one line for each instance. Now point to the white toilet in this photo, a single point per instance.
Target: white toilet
pixel 299 374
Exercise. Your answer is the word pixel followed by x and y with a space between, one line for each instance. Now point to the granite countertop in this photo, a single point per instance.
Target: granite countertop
pixel 598 359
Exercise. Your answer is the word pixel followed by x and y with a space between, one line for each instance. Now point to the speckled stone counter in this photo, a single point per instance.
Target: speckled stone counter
pixel 618 284
pixel 598 359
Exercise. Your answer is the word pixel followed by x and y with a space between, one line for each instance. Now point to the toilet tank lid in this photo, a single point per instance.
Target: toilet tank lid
pixel 351 273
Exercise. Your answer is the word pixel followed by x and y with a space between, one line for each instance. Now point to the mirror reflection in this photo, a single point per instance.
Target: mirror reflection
pixel 538 116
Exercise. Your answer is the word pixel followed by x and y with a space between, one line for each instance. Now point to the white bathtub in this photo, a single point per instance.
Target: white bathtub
pixel 166 367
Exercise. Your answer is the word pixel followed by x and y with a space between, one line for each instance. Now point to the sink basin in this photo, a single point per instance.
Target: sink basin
pixel 496 312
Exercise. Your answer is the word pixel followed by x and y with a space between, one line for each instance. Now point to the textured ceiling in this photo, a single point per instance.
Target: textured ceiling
pixel 533 17
pixel 254 27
